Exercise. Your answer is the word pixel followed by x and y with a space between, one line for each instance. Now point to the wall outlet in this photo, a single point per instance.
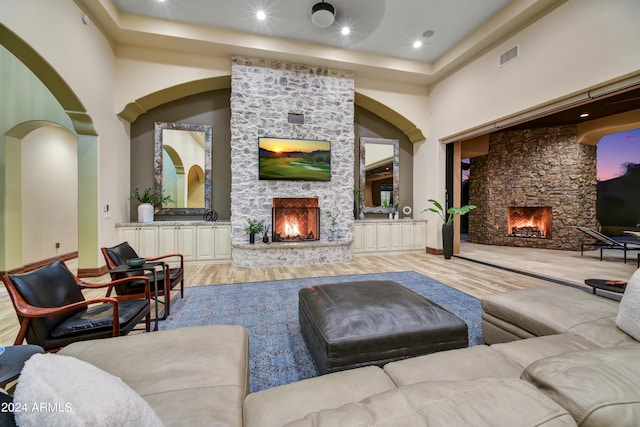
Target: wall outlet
pixel 57 245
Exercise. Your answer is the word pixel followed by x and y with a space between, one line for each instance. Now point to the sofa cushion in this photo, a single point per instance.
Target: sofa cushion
pixel 628 318
pixel 190 376
pixel 279 405
pixel 525 352
pixel 481 402
pixel 548 310
pixel 462 364
pixel 62 390
pixel 599 387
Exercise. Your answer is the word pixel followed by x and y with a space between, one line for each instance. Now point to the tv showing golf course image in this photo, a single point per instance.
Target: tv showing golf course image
pixel 294 159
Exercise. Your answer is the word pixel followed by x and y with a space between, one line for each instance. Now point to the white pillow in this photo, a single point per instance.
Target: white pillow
pixel 628 318
pixel 55 390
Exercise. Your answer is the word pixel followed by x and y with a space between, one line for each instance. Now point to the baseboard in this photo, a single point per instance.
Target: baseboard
pixel 93 272
pixel 38 264
pixel 434 251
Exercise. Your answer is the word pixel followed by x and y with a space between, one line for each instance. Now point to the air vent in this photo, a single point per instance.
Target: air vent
pixel 509 55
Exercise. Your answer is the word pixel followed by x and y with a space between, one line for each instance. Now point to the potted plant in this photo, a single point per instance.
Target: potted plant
pixel 265 234
pixel 149 199
pixel 447 223
pixel 254 226
pixel 333 218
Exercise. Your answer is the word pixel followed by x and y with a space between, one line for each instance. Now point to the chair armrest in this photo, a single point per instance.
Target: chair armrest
pixel 168 256
pixel 147 287
pixel 27 310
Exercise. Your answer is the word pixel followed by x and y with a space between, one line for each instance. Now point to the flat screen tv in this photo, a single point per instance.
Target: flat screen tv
pixel 294 159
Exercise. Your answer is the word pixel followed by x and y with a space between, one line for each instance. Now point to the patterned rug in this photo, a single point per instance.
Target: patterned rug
pixel 269 311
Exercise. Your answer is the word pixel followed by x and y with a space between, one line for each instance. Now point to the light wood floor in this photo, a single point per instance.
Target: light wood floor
pixel 474 278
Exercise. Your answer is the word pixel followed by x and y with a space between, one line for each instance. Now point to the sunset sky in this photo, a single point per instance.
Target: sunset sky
pixel 615 150
pixel 278 145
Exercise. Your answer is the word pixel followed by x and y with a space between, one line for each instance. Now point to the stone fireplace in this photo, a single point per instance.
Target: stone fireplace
pixel 532 188
pixel 295 219
pixel 265 94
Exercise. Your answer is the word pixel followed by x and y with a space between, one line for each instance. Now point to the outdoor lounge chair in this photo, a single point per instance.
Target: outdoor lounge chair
pixel 605 242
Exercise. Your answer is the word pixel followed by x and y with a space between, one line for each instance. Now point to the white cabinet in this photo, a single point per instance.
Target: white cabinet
pixel 179 239
pixel 213 242
pixel 365 237
pixel 389 236
pixel 196 241
pixel 143 239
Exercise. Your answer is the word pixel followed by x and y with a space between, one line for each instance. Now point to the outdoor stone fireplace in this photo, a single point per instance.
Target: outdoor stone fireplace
pixel 532 188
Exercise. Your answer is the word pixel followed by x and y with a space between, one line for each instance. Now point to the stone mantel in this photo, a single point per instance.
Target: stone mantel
pixel 291 253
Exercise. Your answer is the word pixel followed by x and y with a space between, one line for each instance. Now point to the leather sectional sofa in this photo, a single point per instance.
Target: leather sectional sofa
pixel 554 357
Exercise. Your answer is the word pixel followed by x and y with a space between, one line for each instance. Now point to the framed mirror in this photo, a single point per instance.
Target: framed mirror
pixel 183 167
pixel 379 174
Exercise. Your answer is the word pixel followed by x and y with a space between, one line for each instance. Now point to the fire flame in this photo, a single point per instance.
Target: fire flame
pixel 291 228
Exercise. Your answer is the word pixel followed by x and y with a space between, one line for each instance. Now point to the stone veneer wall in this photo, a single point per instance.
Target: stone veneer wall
pixel 263 93
pixel 533 167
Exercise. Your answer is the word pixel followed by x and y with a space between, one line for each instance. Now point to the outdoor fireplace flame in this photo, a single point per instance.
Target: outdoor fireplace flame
pixel 530 222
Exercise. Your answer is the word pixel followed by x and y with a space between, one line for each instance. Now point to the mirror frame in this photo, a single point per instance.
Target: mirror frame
pixel 396 171
pixel 208 177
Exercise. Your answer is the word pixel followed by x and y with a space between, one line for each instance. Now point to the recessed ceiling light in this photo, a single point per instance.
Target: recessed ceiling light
pixel 417 44
pixel 261 15
pixel 345 31
pixel 584 115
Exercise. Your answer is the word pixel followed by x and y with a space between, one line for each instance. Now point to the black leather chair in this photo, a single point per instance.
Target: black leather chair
pixel 53 312
pixel 118 255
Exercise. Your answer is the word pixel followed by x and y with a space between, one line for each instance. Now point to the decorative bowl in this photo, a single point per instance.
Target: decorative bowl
pixel 136 262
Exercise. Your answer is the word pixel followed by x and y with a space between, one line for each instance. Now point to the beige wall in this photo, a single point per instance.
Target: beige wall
pixel 49 194
pixel 580 45
pixel 83 58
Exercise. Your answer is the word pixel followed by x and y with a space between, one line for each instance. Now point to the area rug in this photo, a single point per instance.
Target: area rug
pixel 269 311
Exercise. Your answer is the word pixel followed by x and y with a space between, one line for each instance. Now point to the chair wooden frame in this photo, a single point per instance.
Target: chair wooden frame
pixel 603 242
pixel 166 292
pixel 28 311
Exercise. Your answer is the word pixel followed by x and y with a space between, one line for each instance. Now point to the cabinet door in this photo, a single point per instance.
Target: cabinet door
pixel 420 235
pixel 186 239
pixel 147 241
pixel 358 244
pixel 382 237
pixel 395 236
pixel 408 235
pixel 205 236
pixel 222 242
pixel 167 240
pixel 129 234
pixel 370 238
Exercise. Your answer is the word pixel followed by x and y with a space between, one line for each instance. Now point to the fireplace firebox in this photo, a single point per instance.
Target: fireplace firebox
pixel 529 222
pixel 295 219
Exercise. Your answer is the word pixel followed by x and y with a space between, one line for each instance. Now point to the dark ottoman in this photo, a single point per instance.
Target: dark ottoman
pixel 353 324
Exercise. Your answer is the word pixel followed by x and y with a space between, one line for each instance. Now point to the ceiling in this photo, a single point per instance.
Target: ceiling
pixel 384 27
pixel 380 44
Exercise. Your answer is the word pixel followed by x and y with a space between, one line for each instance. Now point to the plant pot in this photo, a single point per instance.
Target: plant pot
pixel 447 240
pixel 145 212
pixel 265 239
pixel 252 238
